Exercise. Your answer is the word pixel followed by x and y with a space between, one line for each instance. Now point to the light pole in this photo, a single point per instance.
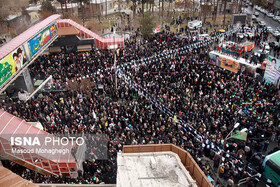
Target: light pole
pixel 224 145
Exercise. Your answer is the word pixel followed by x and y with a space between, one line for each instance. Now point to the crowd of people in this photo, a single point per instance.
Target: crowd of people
pixel 204 98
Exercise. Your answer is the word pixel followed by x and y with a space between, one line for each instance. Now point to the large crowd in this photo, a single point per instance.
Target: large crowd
pixel 207 99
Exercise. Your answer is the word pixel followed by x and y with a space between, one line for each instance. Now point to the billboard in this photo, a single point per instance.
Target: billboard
pixel 232 64
pixel 247 70
pixel 239 19
pixel 12 63
pixel 214 59
pixel 272 71
pixel 24 53
pixel 277 64
pixel 41 39
pixel 228 64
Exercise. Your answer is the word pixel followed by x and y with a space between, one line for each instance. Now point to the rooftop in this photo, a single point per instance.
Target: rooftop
pixel 152 169
pixel 100 1
pixel 8 178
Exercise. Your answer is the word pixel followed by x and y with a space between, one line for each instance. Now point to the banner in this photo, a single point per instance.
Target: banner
pixel 277 64
pixel 12 63
pixel 228 64
pixel 214 59
pixel 240 135
pixel 272 71
pixel 229 52
pixel 247 70
pixel 38 41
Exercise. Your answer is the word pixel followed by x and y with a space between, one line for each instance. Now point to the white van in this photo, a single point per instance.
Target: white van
pixel 195 24
pixel 203 37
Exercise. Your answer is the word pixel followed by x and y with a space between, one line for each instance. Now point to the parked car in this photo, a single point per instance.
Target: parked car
pixel 240 35
pixel 261 10
pixel 262 23
pixel 254 17
pixel 270 15
pixel 273 44
pixel 275 33
pixel 269 28
pixel 195 24
pixel 266 52
pixel 256 14
pixel 203 37
pixel 265 12
pixel 258 21
pixel 276 18
pixel 249 35
pixel 265 46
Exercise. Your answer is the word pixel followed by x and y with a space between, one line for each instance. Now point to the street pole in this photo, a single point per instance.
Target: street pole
pixel 222 153
pixel 220 161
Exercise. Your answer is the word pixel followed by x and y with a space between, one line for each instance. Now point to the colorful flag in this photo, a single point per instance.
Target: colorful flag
pixel 175 119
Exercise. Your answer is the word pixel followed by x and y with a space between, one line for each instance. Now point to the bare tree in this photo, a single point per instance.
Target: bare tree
pixel 143 3
pixel 106 8
pixel 162 9
pixel 169 5
pixel 66 8
pixel 134 5
pixel 159 8
pixel 61 5
pixel 200 5
pixel 82 6
pixel 225 6
pixel 193 7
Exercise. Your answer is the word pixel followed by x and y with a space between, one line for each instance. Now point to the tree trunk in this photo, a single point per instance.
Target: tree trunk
pixel 134 9
pixel 225 12
pixel 66 6
pixel 213 3
pixel 188 10
pixel 143 3
pixel 162 9
pixel 159 8
pixel 169 8
pixel 106 8
pixel 61 6
pixel 193 9
pixel 216 11
pixel 90 10
pixel 205 11
pixel 239 6
pixel 98 11
pixel 83 16
pixel 200 4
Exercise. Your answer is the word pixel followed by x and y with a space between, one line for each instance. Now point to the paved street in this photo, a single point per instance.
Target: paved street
pixel 269 21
